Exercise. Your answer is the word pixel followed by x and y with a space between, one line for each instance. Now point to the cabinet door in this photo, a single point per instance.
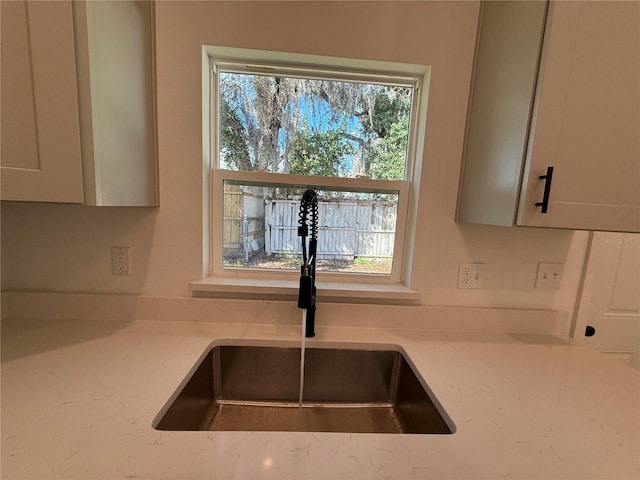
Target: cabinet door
pixel 40 152
pixel 587 120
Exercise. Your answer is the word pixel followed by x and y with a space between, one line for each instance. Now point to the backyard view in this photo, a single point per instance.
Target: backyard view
pixel 312 127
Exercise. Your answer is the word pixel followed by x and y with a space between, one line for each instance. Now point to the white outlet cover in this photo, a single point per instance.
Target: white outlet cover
pixel 471 275
pixel 120 261
pixel 549 276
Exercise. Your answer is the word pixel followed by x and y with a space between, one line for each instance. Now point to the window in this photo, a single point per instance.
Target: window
pixel 277 124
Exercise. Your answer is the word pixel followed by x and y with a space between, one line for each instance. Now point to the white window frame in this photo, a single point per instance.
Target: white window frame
pixel 301 65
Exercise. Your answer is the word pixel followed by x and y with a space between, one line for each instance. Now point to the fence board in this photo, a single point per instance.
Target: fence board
pixel 345 230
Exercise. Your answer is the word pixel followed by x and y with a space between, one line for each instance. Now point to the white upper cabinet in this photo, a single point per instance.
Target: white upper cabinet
pixel 116 85
pixel 587 123
pixel 40 153
pixel 78 102
pixel 579 119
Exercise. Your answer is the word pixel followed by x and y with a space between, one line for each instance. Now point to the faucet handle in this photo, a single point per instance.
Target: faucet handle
pixel 305 291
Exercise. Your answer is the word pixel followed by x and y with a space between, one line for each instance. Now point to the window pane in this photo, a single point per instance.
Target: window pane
pixel 313 126
pixel 356 230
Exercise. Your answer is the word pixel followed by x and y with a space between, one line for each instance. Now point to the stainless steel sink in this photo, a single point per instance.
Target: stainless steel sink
pixel 256 388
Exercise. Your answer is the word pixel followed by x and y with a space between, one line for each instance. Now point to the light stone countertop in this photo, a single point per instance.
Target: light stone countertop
pixel 79 399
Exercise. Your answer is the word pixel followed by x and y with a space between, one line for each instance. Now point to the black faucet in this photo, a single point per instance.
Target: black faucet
pixel 307 292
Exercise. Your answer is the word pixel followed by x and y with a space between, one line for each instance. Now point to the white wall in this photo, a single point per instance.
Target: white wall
pixel 65 248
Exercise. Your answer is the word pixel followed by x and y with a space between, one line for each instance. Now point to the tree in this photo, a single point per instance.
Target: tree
pixel 254 109
pixel 315 127
pixel 233 139
pixel 391 125
pixel 391 151
pixel 320 153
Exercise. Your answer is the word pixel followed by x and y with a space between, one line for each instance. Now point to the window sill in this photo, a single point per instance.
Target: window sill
pixel 272 289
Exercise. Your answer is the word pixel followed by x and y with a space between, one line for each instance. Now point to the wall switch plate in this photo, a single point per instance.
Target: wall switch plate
pixel 470 275
pixel 120 261
pixel 549 276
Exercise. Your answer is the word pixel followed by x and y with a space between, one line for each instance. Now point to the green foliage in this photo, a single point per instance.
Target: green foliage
pixel 391 151
pixel 233 141
pixel 319 153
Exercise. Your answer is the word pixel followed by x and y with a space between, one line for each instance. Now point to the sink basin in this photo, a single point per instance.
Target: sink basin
pixel 256 388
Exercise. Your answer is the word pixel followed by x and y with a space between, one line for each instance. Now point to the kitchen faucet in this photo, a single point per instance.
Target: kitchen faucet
pixel 307 292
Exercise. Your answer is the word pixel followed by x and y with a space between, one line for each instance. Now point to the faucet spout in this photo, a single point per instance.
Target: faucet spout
pixel 307 291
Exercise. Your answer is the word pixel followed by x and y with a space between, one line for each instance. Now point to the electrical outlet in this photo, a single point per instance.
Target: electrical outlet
pixel 470 275
pixel 549 276
pixel 120 261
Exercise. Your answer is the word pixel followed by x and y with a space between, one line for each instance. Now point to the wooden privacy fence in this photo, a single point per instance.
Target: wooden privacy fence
pixel 243 223
pixel 346 229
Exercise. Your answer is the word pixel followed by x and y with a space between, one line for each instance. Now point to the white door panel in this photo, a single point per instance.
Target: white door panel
pixel 610 303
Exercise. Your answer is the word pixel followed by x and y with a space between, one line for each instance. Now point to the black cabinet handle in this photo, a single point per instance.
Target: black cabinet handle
pixel 544 204
pixel 589 331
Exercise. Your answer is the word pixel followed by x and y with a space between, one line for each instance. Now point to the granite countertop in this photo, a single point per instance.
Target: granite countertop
pixel 79 399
